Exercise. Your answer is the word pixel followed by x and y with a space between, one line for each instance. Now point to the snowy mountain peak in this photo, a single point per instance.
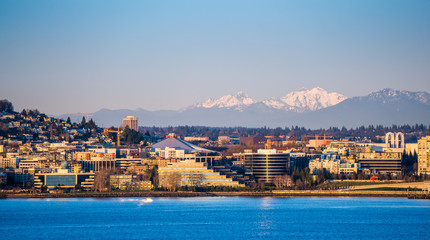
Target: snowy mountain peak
pixel 299 101
pixel 306 100
pixel 390 95
pixel 237 101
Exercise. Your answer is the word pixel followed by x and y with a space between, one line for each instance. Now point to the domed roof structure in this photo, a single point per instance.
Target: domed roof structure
pixel 64 164
pixel 181 144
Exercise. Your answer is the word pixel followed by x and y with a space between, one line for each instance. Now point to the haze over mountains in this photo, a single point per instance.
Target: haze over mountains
pixel 314 108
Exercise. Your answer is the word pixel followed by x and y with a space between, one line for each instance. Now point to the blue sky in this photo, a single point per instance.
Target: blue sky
pixel 81 56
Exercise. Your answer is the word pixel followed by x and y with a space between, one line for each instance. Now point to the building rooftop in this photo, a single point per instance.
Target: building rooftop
pixel 180 144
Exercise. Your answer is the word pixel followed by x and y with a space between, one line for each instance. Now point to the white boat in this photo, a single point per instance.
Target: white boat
pixel 147 200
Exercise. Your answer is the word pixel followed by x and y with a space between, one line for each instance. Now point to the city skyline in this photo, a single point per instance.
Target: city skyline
pixel 214 119
pixel 65 57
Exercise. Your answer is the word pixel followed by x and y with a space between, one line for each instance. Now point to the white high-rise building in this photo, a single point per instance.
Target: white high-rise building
pixel 132 122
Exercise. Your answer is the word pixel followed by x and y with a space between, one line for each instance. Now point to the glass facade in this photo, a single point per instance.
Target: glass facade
pixel 267 166
pixel 62 180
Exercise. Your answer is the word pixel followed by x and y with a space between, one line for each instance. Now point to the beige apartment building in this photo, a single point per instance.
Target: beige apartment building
pixel 424 155
pixel 132 123
pixel 7 162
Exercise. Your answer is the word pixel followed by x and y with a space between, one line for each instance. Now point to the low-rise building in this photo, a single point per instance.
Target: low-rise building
pixel 64 179
pixel 192 173
pixel 97 165
pixel 7 163
pixel 381 162
pixel 328 164
pixel 30 163
pixel 129 182
pixel 124 163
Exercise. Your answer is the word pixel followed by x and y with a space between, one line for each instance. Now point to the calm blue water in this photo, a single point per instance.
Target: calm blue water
pixel 215 218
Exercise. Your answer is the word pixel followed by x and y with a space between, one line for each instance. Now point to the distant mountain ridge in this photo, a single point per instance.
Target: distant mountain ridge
pixel 306 100
pixel 297 101
pixel 389 95
pixel 384 107
pixel 315 108
pixel 239 101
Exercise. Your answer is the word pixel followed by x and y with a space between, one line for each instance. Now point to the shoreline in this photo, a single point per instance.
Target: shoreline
pixel 295 193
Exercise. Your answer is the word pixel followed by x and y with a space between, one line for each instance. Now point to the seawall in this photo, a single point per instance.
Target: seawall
pixel 286 193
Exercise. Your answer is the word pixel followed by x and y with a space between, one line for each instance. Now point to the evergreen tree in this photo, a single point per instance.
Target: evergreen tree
pixel 83 122
pixel 131 136
pixel 6 106
pixel 42 117
pixel 91 124
pixel 68 120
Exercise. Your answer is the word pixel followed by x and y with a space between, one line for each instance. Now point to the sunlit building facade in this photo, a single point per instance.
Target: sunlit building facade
pixel 267 164
pixel 424 155
pixel 131 122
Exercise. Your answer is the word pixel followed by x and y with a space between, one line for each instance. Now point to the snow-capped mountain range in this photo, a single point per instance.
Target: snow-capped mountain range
pixel 239 101
pixel 313 108
pixel 298 101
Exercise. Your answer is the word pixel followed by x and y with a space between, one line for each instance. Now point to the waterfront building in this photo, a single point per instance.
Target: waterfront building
pixel 380 162
pixel 128 182
pixel 121 181
pixel 131 122
pixel 424 155
pixel 191 173
pixel 19 178
pixel 64 179
pixel 267 164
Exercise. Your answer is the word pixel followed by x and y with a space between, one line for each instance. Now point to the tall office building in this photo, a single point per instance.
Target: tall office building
pixel 266 164
pixel 424 155
pixel 132 122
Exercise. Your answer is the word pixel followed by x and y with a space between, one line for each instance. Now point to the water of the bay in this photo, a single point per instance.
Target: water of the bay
pixel 215 218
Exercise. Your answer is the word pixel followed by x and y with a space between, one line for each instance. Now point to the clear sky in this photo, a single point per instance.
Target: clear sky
pixel 81 56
